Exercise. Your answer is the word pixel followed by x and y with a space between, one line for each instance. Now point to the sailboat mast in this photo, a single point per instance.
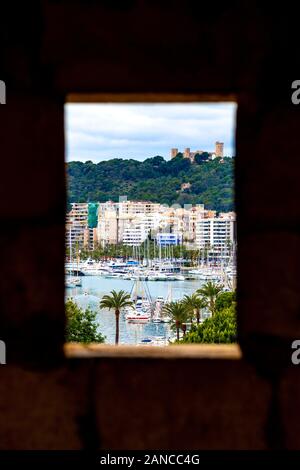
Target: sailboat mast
pixel 70 247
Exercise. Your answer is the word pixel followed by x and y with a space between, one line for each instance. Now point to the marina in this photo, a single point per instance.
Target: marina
pixel 144 321
pixel 155 270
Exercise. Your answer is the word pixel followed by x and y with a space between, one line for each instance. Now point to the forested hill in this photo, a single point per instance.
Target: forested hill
pixel 154 179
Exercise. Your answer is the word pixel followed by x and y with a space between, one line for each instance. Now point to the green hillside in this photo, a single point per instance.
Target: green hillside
pixel 154 179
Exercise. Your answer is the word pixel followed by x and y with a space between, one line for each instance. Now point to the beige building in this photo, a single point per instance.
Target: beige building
pixel 174 152
pixel 90 238
pixel 130 222
pixel 219 149
pixel 107 230
pixel 76 223
pixel 187 153
pixel 183 220
pixel 137 207
pixel 116 219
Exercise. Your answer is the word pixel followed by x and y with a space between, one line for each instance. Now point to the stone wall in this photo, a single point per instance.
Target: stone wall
pixel 50 49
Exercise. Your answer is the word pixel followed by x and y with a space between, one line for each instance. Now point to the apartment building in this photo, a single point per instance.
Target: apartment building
pixel 76 223
pixel 134 235
pixel 138 207
pixel 216 233
pixel 117 219
pixel 183 220
pixel 107 230
pixel 169 239
pixel 131 222
pixel 81 226
pixel 122 222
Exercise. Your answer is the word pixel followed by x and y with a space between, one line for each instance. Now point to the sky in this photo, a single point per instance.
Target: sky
pixel 100 132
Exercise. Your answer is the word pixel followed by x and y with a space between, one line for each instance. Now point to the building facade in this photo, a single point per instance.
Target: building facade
pixel 187 153
pixel 135 220
pixel 219 149
pixel 174 152
pixel 79 233
pixel 217 235
pixel 135 235
pixel 132 222
pixel 169 239
pixel 76 223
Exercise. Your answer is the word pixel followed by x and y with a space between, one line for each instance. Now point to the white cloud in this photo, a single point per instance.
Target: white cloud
pixel 102 131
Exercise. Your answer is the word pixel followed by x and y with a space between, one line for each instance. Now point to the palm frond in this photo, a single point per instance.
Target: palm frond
pixel 115 300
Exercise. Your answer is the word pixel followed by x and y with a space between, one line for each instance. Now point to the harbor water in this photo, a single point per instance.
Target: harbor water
pixel 94 287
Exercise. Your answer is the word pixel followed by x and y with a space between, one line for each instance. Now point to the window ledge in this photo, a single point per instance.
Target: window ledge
pixel 191 351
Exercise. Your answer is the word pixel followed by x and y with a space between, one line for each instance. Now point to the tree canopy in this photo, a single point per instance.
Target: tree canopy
pixel 154 179
pixel 220 328
pixel 81 325
pixel 225 300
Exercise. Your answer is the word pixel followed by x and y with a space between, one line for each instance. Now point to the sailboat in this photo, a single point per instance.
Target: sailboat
pixel 159 303
pixel 166 318
pixel 72 281
pixel 140 312
pixel 229 272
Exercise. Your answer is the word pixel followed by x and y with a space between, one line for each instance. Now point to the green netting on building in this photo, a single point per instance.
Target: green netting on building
pixel 93 214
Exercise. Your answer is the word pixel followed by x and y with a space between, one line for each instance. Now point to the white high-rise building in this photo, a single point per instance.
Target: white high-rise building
pixel 135 235
pixel 216 233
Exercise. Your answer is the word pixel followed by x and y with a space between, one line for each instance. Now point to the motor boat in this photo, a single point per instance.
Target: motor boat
pixel 145 341
pixel 166 319
pixel 137 316
pixel 72 282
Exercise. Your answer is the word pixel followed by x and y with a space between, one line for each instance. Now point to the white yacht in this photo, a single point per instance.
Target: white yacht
pixel 138 313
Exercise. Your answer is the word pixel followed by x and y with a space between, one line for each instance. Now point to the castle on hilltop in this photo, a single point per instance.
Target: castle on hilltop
pixel 219 148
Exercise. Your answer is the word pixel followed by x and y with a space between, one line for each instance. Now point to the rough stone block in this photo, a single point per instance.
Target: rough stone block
pixel 32 169
pixel 32 313
pixel 268 285
pixel 289 391
pixel 43 410
pixel 180 404
pixel 268 189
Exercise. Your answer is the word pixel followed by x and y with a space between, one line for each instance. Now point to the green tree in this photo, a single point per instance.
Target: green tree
pixel 179 314
pixel 81 325
pixel 201 157
pixel 194 305
pixel 225 300
pixel 221 328
pixel 210 292
pixel 154 179
pixel 116 301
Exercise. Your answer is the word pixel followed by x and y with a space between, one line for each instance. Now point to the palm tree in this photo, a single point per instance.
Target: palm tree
pixel 178 313
pixel 116 301
pixel 194 305
pixel 210 292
